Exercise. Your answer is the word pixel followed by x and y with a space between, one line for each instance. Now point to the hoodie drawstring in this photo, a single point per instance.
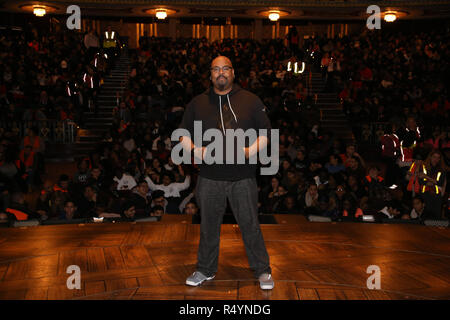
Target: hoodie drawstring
pixel 221 116
pixel 229 104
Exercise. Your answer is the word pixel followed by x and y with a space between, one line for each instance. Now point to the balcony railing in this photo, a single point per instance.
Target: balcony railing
pixel 52 131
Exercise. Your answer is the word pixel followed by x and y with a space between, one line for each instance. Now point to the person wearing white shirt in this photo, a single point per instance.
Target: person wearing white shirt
pixel 124 181
pixel 171 189
pixel 388 212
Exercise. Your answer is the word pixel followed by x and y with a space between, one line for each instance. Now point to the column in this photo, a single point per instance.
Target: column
pixel 137 35
pixel 258 31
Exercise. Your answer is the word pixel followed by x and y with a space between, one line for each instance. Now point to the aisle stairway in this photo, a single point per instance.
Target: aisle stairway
pixel 95 126
pixel 332 118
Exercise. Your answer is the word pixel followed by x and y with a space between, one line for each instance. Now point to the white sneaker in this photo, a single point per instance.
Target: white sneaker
pixel 266 281
pixel 197 278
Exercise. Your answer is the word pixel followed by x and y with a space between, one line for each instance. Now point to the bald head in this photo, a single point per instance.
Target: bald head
pixel 222 74
pixel 221 60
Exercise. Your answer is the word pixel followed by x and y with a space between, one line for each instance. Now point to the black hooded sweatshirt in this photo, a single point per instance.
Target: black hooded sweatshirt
pixel 246 112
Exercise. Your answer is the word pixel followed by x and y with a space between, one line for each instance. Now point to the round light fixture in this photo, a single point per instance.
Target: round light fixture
pixel 39 11
pixel 161 14
pixel 390 17
pixel 274 16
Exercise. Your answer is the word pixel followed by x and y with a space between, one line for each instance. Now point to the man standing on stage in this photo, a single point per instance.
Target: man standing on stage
pixel 227 106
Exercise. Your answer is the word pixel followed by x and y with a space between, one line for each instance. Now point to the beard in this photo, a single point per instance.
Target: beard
pixel 221 85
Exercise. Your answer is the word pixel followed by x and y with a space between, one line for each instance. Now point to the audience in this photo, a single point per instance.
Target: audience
pixel 383 83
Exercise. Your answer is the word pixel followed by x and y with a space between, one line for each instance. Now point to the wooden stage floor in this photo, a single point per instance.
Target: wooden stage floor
pixel 151 260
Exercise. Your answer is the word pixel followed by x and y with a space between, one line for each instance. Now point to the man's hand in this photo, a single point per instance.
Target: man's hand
pixel 199 152
pixel 246 153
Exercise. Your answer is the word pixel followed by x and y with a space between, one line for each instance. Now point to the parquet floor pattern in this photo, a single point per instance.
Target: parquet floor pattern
pixel 151 260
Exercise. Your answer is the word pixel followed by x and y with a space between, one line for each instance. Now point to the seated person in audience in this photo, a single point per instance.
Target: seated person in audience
pixel 82 175
pixel 354 187
pixel 159 200
pixel 191 208
pixel 157 211
pixel 125 182
pixel 128 211
pixel 18 210
pixel 141 200
pixel 337 197
pixel 156 166
pixel 70 211
pixel 43 202
pixel 57 201
pixel 289 205
pixel 63 185
pixel 291 180
pixel 301 162
pixel 96 178
pixel 325 207
pixel 27 166
pixel 373 181
pixel 276 198
pixel 354 168
pixel 108 193
pixel 269 189
pixel 313 170
pixel 309 202
pixel 350 152
pixel 334 164
pixel 189 198
pixel 398 199
pixel 87 203
pixel 419 211
pixel 161 152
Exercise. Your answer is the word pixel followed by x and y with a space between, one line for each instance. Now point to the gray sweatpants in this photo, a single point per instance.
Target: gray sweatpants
pixel 211 196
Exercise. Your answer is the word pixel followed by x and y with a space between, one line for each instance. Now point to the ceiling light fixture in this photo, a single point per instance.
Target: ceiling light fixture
pixel 274 16
pixel 39 11
pixel 161 14
pixel 390 17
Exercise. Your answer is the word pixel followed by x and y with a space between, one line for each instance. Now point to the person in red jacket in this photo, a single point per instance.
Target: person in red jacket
pixel 26 165
pixel 18 210
pixel 373 182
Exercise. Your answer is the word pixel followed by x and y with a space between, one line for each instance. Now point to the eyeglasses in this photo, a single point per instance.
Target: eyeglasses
pixel 225 69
